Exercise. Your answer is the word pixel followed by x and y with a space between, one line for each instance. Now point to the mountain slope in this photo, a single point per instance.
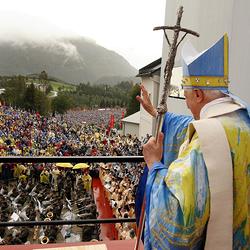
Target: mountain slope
pixel 73 60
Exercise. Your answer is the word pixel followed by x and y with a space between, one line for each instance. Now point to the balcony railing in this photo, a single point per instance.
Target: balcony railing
pixel 65 222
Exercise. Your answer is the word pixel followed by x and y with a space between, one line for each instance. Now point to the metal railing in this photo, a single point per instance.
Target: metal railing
pixel 75 159
pixel 66 222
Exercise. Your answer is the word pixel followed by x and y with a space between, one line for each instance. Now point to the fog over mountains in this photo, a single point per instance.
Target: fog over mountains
pixel 70 58
pixel 73 60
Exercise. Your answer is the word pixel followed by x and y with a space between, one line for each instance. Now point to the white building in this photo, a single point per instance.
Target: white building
pixel 130 124
pixel 150 78
pixel 211 19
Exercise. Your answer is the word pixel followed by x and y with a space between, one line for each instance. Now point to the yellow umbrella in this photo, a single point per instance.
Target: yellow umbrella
pixel 81 166
pixel 64 165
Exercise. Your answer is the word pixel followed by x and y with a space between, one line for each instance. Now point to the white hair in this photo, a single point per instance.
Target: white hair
pixel 210 94
pixel 213 94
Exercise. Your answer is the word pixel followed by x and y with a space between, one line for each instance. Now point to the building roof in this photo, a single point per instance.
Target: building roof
pixel 150 68
pixel 134 118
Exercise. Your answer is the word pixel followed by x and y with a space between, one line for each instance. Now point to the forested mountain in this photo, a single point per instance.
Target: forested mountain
pixel 73 60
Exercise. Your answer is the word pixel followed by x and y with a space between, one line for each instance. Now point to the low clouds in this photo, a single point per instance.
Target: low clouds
pixel 122 26
pixel 25 31
pixel 21 27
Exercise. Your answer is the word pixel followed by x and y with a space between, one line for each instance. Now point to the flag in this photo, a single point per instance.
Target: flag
pixel 121 119
pixel 111 121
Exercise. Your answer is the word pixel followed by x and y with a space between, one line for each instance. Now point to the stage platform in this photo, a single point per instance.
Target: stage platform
pixel 110 245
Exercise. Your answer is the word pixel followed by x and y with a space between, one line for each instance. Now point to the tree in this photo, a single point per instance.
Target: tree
pixel 43 80
pixel 174 90
pixel 14 90
pixel 42 103
pixel 49 89
pixel 61 104
pixel 133 105
pixel 102 103
pixel 29 98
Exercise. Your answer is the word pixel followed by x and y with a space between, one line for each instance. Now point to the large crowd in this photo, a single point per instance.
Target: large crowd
pixel 120 181
pixel 28 191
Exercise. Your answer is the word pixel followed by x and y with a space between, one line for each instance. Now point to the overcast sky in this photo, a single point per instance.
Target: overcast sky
pixel 125 26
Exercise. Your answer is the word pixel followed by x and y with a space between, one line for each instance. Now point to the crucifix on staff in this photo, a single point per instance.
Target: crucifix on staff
pixel 162 107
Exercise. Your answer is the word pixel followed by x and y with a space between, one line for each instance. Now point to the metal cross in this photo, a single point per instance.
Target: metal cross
pixel 162 108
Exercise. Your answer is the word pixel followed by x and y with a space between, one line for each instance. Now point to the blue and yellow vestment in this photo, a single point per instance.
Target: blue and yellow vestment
pixel 177 189
pixel 178 209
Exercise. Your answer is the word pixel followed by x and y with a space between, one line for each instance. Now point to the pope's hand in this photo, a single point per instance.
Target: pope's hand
pixel 145 101
pixel 152 150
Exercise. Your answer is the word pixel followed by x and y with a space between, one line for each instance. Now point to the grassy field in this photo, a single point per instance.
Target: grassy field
pixel 56 85
pixel 64 86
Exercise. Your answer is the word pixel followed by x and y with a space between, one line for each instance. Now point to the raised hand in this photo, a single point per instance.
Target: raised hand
pixel 145 101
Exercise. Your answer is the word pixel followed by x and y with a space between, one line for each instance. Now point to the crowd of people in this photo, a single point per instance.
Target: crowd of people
pixel 24 133
pixel 42 191
pixel 60 194
pixel 120 182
